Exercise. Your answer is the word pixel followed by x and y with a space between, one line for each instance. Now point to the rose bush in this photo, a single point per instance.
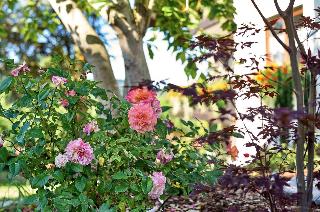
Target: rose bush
pixel 82 148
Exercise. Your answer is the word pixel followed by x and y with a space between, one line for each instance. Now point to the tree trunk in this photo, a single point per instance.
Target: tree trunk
pixel 88 41
pixel 130 26
pixel 136 68
pixel 300 107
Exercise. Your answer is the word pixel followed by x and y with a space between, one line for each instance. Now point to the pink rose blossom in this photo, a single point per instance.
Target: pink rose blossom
pixel 58 80
pixel 61 160
pixel 71 93
pixel 80 152
pixel 156 107
pixel 15 72
pixel 163 157
pixel 21 68
pixel 142 118
pixel 64 102
pixel 141 95
pixel 91 127
pixel 159 183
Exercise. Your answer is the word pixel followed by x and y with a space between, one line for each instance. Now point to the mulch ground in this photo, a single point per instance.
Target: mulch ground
pixel 221 200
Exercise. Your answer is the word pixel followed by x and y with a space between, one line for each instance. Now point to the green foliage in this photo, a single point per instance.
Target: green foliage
pixel 124 159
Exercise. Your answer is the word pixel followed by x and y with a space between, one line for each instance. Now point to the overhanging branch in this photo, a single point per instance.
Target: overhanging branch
pixel 265 20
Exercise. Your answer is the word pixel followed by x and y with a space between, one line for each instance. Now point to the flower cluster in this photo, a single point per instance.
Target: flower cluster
pixel 77 151
pixel 71 93
pixel 91 127
pixel 145 111
pixel 58 80
pixel 61 160
pixel 159 183
pixel 64 102
pixel 163 157
pixel 22 68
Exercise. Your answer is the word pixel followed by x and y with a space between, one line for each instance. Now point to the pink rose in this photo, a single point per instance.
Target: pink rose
pixel 15 72
pixel 163 157
pixel 80 152
pixel 21 68
pixel 91 127
pixel 142 118
pixel 156 107
pixel 61 160
pixel 159 183
pixel 64 102
pixel 71 93
pixel 141 95
pixel 58 80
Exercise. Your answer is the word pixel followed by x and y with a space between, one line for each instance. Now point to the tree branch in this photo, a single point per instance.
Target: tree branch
pixel 143 13
pixel 281 13
pixel 290 7
pixel 265 20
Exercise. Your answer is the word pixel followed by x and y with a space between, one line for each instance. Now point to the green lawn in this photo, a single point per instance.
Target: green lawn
pixel 11 191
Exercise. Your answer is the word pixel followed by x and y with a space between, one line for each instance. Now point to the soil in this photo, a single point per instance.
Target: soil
pixel 223 201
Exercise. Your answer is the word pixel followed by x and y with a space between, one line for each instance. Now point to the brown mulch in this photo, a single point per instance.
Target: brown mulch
pixel 224 201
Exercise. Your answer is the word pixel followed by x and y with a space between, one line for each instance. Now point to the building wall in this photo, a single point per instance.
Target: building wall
pixel 246 13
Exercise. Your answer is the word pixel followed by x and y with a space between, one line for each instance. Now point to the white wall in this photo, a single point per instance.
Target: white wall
pixel 246 13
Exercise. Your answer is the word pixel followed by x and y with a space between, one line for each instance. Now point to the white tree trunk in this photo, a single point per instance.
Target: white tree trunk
pixel 130 30
pixel 86 38
pixel 136 68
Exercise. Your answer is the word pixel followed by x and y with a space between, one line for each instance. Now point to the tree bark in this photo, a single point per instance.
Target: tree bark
pixel 130 26
pixel 136 68
pixel 88 41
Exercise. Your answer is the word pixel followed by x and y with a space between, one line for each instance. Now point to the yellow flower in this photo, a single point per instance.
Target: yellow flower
pixel 101 161
pixel 176 184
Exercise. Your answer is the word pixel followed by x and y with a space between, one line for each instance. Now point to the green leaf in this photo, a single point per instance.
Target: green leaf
pixel 58 175
pixel 76 167
pixel 4 84
pixel 40 180
pixel 32 199
pixel 105 207
pixel 146 185
pixel 35 133
pixel 237 135
pixel 4 154
pixel 22 132
pixel 81 184
pixel 165 108
pixel 161 129
pixel 120 176
pixel 121 188
pixel 151 54
pixel 14 169
pixel 44 93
